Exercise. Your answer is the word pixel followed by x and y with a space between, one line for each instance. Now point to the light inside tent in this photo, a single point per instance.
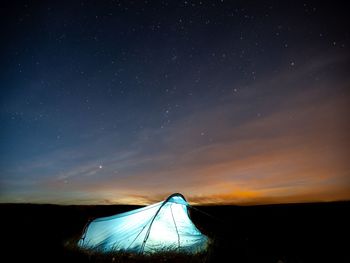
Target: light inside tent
pixel 164 226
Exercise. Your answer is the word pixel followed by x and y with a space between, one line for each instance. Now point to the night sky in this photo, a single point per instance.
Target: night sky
pixel 128 101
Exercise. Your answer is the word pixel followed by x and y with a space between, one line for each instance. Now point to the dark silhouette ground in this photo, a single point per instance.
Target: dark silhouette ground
pixel 275 233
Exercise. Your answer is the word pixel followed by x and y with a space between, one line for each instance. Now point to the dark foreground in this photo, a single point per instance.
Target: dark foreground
pixel 277 233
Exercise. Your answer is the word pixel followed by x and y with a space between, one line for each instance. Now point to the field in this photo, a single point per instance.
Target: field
pixel 317 232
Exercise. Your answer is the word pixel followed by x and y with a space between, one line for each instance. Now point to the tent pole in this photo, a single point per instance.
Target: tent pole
pixel 177 232
pixel 149 228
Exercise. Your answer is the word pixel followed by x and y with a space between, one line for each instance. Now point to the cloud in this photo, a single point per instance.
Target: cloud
pixel 283 139
pixel 295 154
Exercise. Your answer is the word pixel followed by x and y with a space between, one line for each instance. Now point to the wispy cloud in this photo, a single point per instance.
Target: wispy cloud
pixel 294 150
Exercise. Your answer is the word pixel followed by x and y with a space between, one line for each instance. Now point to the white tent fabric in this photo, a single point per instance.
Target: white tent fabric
pixel 164 226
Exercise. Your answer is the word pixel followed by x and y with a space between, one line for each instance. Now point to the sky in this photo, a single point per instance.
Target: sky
pixel 126 102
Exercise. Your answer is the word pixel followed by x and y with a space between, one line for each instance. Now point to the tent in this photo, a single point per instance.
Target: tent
pixel 164 226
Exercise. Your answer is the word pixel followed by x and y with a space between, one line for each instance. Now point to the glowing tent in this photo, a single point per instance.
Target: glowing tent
pixel 164 226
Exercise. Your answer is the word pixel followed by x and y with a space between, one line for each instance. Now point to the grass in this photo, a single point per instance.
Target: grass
pixel 76 254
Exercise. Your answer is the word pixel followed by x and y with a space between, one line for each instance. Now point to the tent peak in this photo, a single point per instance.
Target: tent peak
pixel 175 194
